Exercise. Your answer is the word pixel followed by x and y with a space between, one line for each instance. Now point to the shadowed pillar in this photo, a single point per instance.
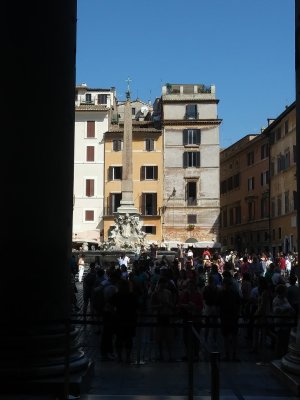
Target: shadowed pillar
pixel 288 368
pixel 37 130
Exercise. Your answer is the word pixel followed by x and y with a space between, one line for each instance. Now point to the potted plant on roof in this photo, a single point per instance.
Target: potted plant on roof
pixel 191 227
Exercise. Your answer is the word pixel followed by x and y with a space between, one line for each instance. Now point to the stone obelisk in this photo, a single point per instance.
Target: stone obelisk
pixel 127 203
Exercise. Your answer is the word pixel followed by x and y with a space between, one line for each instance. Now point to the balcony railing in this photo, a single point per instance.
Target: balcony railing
pixel 191 116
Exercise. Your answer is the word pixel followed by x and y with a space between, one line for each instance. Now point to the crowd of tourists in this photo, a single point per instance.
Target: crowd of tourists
pixel 216 292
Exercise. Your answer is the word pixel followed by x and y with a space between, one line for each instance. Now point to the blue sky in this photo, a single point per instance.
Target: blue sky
pixel 244 47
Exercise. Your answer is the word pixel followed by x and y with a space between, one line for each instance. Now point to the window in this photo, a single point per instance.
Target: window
pixel 223 188
pixel 264 151
pixel 191 159
pixel 133 111
pixel 89 215
pixel 279 210
pixel 90 153
pixel 279 233
pixel 191 218
pixel 191 137
pixel 149 172
pixel 295 200
pixel 231 216
pixel 117 145
pixel 251 183
pixel 89 187
pixel 264 178
pixel 88 98
pixel 102 99
pixel 90 133
pixel 191 193
pixel 264 207
pixel 115 201
pixel 230 183
pixel 278 134
pixel 286 127
pixel 273 207
pixel 238 215
pixel 149 204
pixel 250 158
pixel 149 229
pixel 191 111
pixel 149 144
pixel 236 180
pixel 286 202
pixel 287 160
pixel 251 210
pixel 115 173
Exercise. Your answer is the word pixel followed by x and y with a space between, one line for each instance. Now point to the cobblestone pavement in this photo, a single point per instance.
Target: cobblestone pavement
pixel 147 376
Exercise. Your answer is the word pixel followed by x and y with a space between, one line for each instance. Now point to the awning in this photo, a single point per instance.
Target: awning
pixel 191 240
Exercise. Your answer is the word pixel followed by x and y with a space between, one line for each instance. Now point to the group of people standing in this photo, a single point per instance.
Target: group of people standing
pixel 211 291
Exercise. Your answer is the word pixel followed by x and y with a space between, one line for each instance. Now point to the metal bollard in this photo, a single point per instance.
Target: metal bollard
pixel 215 375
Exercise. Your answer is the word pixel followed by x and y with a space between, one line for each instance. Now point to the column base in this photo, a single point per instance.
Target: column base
pixel 75 385
pixel 291 380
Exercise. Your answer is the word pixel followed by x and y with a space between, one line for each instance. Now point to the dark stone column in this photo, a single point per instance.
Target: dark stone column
pixel 37 131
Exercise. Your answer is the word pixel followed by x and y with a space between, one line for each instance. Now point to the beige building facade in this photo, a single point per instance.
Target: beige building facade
pixel 191 206
pixel 147 174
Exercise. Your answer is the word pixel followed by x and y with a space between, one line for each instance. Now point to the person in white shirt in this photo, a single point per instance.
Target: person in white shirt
pixel 123 260
pixel 81 265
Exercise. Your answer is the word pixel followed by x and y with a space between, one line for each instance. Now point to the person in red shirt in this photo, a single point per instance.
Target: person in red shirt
pixel 206 252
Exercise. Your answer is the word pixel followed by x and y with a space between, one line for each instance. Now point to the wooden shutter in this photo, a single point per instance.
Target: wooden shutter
pixel 156 172
pixel 198 136
pixel 185 159
pixel 90 153
pixel 198 159
pixel 90 129
pixel 89 215
pixel 142 173
pixel 89 189
pixel 185 137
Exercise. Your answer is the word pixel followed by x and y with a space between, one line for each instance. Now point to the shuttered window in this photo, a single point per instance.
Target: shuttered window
pixel 117 145
pixel 89 215
pixel 90 133
pixel 115 173
pixel 191 137
pixel 90 153
pixel 191 159
pixel 149 204
pixel 191 111
pixel 90 187
pixel 149 172
pixel 149 144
